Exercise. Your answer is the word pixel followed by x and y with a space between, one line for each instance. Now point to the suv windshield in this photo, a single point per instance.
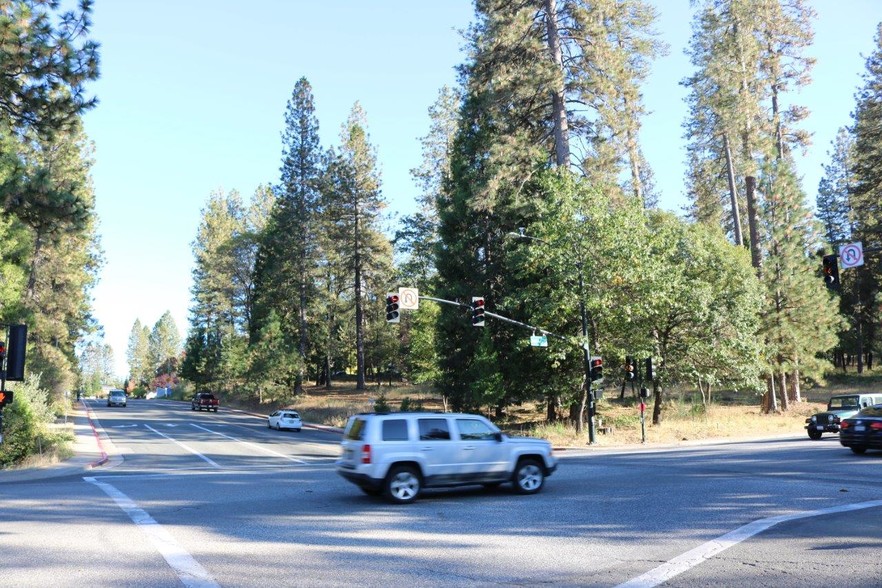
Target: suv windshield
pixel 838 402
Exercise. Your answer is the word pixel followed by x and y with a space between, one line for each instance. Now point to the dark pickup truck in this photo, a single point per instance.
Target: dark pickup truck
pixel 204 401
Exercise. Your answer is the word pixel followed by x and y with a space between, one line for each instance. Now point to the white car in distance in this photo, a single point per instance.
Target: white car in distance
pixel 284 419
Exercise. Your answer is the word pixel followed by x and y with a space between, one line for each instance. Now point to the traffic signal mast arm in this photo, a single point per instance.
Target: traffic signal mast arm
pixel 502 318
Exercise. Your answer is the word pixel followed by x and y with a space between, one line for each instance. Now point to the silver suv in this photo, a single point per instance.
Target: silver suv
pixel 398 454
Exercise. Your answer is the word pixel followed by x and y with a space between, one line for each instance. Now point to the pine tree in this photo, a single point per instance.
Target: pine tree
pixel 46 59
pixel 833 201
pixel 866 203
pixel 288 261
pixel 163 345
pixel 352 207
pixel 138 355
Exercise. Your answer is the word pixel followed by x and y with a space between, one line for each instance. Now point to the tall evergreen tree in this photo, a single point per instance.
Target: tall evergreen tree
pixel 288 261
pixel 833 201
pixel 866 201
pixel 164 345
pixel 217 318
pixel 352 207
pixel 138 354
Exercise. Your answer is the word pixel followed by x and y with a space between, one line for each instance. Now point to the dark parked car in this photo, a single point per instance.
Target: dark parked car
pixel 840 407
pixel 862 431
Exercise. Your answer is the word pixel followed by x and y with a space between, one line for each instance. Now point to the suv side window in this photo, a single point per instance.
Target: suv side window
pixel 356 431
pixel 434 430
pixel 473 429
pixel 395 430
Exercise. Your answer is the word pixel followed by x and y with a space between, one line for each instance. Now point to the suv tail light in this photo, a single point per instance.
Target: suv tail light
pixel 365 453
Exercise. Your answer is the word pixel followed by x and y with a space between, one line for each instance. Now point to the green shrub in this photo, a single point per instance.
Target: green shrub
pixel 381 404
pixel 26 425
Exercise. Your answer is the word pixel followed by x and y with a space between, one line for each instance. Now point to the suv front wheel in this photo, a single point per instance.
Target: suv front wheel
pixel 529 477
pixel 403 484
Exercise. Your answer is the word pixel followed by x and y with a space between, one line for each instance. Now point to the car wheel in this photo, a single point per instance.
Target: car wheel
pixel 296 430
pixel 192 407
pixel 278 427
pixel 402 484
pixel 859 450
pixel 814 434
pixel 215 410
pixel 528 477
pixel 268 425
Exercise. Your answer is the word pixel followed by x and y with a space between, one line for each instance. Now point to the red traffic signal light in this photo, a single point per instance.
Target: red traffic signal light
pixel 392 313
pixel 5 398
pixel 477 311
pixel 830 268
pixel 596 371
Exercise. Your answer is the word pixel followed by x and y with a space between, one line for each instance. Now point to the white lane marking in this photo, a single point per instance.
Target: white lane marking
pixel 267 449
pixel 190 449
pixel 702 553
pixel 188 570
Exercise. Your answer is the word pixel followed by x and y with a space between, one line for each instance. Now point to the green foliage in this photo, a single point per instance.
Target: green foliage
pixel 381 404
pixel 410 405
pixel 25 424
pixel 46 67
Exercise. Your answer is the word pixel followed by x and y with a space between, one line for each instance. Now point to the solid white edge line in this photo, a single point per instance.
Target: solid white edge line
pixel 702 553
pixel 188 570
pixel 191 450
pixel 267 449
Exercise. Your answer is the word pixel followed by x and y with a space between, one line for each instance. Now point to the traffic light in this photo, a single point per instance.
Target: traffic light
pixel 5 398
pixel 630 368
pixel 393 315
pixel 477 311
pixel 830 267
pixel 650 371
pixel 596 365
pixel 18 340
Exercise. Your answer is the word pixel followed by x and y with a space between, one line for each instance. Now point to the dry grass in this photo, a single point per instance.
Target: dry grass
pixel 618 421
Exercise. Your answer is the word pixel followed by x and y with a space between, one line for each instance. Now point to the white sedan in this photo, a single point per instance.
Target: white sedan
pixel 284 419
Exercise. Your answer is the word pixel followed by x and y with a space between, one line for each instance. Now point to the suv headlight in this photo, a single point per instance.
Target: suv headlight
pixel 814 418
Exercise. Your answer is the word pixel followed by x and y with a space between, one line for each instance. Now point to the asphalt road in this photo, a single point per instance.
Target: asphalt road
pixel 205 499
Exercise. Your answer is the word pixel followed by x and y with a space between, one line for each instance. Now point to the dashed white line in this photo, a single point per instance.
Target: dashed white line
pixel 267 449
pixel 190 449
pixel 188 570
pixel 704 552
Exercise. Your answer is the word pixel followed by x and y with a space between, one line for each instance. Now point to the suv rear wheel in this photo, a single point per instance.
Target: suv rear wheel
pixel 814 434
pixel 403 484
pixel 528 477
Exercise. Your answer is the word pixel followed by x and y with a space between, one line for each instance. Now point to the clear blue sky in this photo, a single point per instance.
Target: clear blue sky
pixel 193 93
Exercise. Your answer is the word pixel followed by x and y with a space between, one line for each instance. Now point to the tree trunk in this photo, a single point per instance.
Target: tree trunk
pixel 733 193
pixel 657 403
pixel 785 401
pixel 359 311
pixel 756 258
pixel 561 125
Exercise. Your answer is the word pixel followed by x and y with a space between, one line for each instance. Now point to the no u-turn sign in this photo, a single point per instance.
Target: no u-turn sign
pixel 851 255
